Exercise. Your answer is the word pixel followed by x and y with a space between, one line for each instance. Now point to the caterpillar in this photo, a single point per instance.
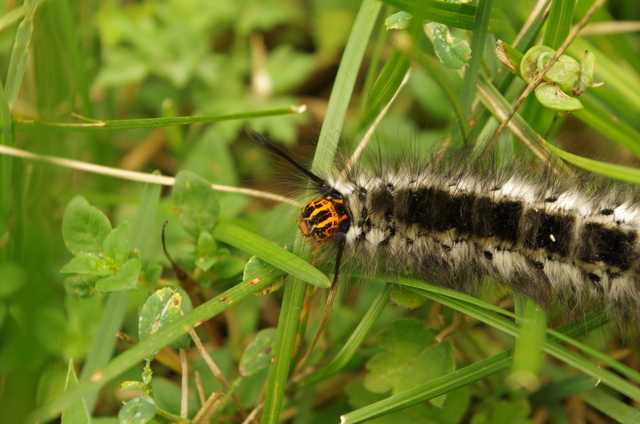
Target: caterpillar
pixel 454 224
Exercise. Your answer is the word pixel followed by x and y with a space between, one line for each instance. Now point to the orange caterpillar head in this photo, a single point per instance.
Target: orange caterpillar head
pixel 322 219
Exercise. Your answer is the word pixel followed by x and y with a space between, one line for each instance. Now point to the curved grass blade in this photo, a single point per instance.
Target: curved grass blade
pixel 437 387
pixel 323 161
pixel 127 124
pixel 269 252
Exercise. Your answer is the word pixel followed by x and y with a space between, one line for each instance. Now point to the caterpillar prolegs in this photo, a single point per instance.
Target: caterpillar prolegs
pixel 557 242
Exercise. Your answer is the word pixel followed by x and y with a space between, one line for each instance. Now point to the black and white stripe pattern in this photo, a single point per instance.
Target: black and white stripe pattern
pixel 551 242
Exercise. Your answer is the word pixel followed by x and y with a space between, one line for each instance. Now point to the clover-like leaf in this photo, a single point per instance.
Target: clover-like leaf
pixel 197 202
pixel 116 245
pixel 257 356
pixel 411 358
pixel 551 96
pixel 84 227
pixel 399 20
pixel 139 410
pixel 207 249
pixel 126 279
pixel 452 51
pixel 85 264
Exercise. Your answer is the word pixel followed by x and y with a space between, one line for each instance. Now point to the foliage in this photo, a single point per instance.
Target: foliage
pixel 122 89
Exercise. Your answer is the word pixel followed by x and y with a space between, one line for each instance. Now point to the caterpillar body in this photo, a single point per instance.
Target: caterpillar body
pixel 452 225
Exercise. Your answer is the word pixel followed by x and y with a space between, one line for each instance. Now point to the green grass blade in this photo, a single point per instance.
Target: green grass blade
pixel 322 162
pixel 457 15
pixel 343 85
pixel 172 331
pixel 286 334
pixel 385 87
pixel 105 341
pixel 78 413
pixel 270 253
pixel 609 125
pixel 557 391
pixel 527 359
pixel 610 406
pixel 20 53
pixel 127 124
pixel 11 17
pixel 149 200
pixel 559 22
pixel 478 41
pixel 6 164
pixel 552 348
pixel 618 172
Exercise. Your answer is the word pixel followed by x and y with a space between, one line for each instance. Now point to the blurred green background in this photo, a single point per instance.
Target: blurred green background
pixel 124 60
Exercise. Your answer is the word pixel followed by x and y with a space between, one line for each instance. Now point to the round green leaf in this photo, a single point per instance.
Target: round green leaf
pixel 453 52
pixel 197 202
pixel 116 245
pixel 257 356
pixel 84 227
pixel 207 249
pixel 399 20
pixel 139 410
pixel 161 308
pixel 552 97
pixel 85 264
pixel 411 357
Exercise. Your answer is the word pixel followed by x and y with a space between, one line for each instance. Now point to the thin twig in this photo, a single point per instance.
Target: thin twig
pixel 209 408
pixel 184 400
pixel 538 79
pixel 367 136
pixel 199 388
pixel 216 371
pixel 133 175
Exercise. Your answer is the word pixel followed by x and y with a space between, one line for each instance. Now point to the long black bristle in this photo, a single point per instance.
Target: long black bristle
pixel 265 142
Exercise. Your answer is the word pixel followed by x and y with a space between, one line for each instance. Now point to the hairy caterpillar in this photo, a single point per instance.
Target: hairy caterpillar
pixel 452 224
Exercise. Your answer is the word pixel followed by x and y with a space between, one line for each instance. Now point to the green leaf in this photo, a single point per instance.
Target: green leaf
pixel 85 264
pixel 269 252
pixel 206 251
pixel 229 266
pixel 13 277
pixel 452 412
pixel 399 20
pixel 161 308
pixel 604 402
pixel 255 268
pixel 76 413
pixel 552 97
pixel 411 358
pixel 79 286
pixel 127 279
pixel 197 203
pixel 453 52
pixel 257 356
pixel 139 410
pixel 131 385
pixel 84 227
pixel 116 245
